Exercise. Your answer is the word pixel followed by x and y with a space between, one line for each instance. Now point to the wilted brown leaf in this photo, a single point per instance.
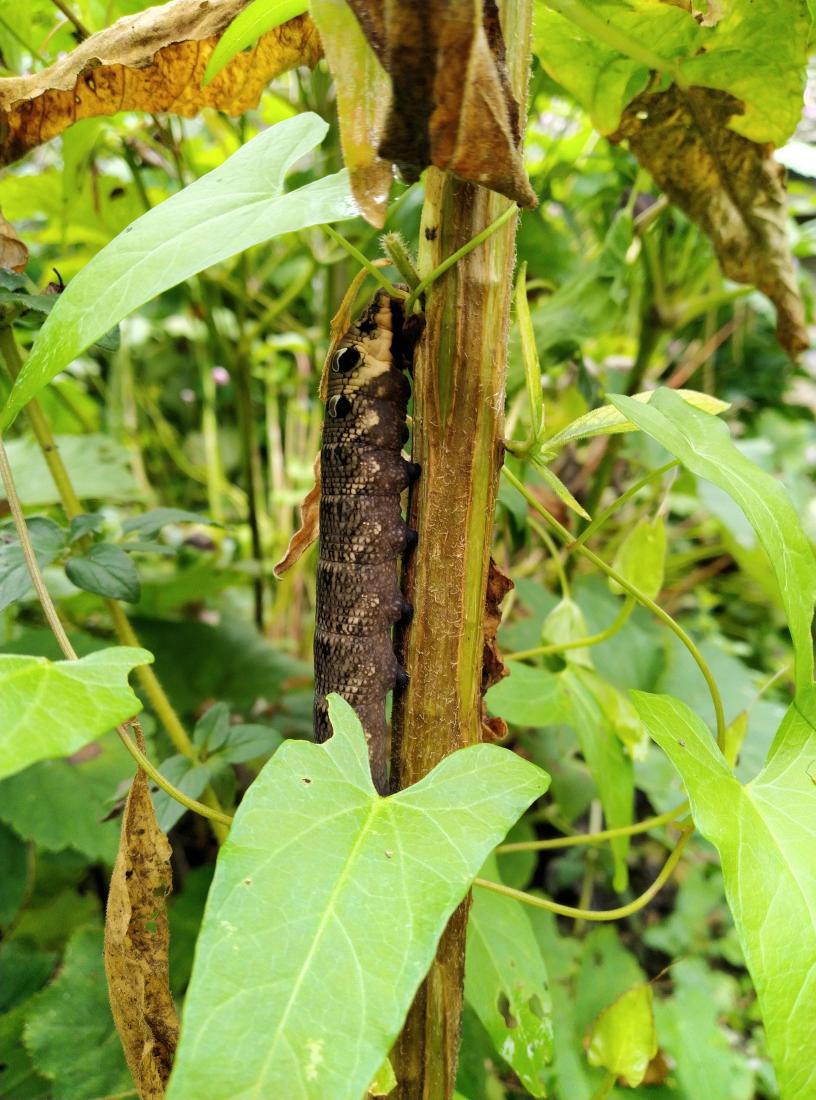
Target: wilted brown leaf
pixel 363 96
pixel 309 528
pixel 136 945
pixel 151 61
pixel 452 105
pixel 13 253
pixel 493 666
pixel 730 186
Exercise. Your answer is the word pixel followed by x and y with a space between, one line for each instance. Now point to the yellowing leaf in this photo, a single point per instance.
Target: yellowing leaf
pixel 151 61
pixel 136 945
pixel 623 1038
pixel 730 186
pixel 607 420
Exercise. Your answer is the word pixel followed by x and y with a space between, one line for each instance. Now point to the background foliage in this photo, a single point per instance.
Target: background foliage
pixel 189 434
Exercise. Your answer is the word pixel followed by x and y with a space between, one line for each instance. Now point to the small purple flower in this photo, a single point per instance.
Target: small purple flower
pixel 220 376
pixel 187 396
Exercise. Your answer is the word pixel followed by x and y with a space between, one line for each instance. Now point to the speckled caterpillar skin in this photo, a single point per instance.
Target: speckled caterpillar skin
pixel 362 531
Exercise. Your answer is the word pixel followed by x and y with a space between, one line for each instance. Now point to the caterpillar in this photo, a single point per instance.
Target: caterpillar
pixel 362 531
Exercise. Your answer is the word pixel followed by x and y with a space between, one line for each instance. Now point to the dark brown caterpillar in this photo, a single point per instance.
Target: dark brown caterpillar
pixel 362 531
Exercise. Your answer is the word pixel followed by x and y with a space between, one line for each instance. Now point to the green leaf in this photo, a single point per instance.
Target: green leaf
pixel 230 209
pixel 385 1080
pixel 150 523
pixel 212 728
pixel 641 557
pixel 765 833
pixel 608 420
pixel 69 1029
pixel 703 445
pixel 47 539
pixel 506 982
pixel 247 27
pixel 596 70
pixel 88 523
pixel 106 570
pixel 246 743
pixel 706 1062
pixel 561 491
pixel 14 861
pixel 63 803
pixel 603 54
pixel 53 708
pixel 576 697
pixel 623 1038
pixel 99 468
pixel 566 623
pixel 325 911
pixel 530 697
pixel 189 777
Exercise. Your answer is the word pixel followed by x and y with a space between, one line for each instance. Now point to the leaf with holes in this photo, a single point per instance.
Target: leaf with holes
pixel 506 983
pixel 325 911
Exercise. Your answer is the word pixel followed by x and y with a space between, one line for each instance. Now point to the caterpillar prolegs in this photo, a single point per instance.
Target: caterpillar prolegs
pixel 362 532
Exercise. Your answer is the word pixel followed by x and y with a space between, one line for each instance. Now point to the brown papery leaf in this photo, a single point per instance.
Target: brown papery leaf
pixel 730 186
pixel 152 61
pixel 452 105
pixel 136 945
pixel 13 253
pixel 309 529
pixel 493 666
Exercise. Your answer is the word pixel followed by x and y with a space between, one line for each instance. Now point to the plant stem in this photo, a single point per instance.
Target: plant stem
pixel 627 586
pixel 363 261
pixel 459 387
pixel 593 639
pixel 619 913
pixel 459 254
pixel 546 538
pixel 30 557
pixel 603 516
pixel 600 837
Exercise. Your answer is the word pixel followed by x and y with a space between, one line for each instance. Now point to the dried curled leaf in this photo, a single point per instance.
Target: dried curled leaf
pixel 151 61
pixel 13 253
pixel 730 186
pixel 452 105
pixel 493 666
pixel 309 528
pixel 136 945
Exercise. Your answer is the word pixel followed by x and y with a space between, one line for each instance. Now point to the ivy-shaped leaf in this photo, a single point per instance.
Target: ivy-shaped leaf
pixel 53 708
pixel 325 911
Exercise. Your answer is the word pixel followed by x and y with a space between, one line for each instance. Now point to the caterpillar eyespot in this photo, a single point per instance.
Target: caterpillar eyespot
pixel 345 359
pixel 338 407
pixel 362 530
